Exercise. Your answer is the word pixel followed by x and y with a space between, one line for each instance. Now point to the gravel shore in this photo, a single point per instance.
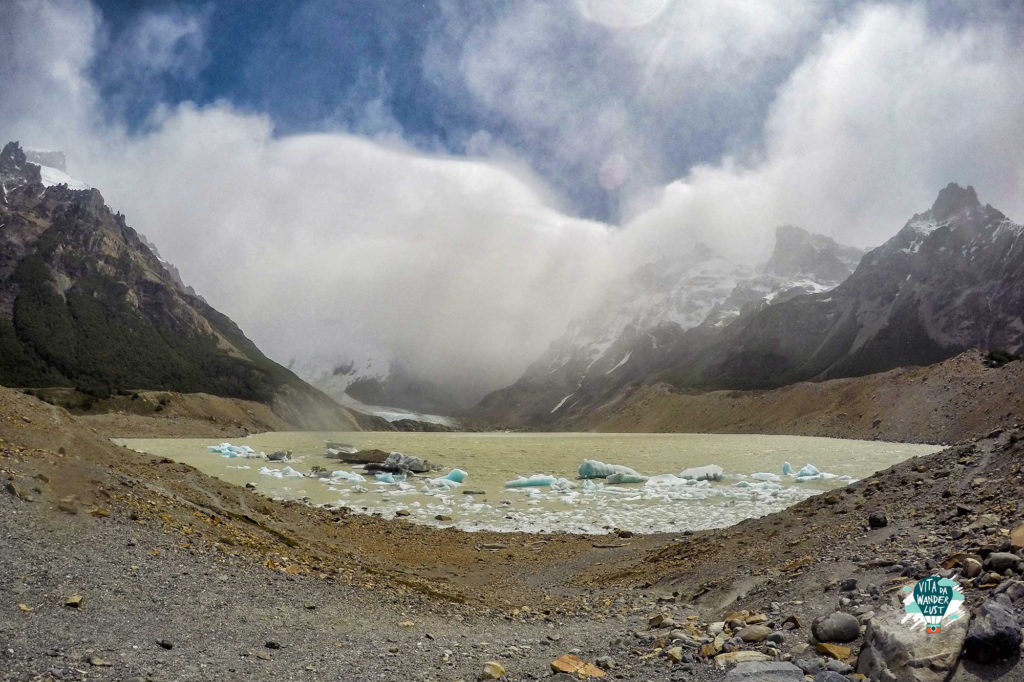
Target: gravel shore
pixel 183 577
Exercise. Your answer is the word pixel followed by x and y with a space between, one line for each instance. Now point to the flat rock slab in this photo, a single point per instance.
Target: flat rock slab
pixel 736 657
pixel 894 651
pixel 572 664
pixel 765 671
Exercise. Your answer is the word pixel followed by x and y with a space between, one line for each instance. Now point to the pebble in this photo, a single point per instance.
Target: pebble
pixel 492 670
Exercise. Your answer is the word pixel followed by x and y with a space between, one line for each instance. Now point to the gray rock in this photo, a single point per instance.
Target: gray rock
pixel 830 676
pixel 754 633
pixel 878 519
pixel 894 652
pixel 1000 561
pixel 994 633
pixel 605 662
pixel 765 671
pixel 836 627
pixel 280 456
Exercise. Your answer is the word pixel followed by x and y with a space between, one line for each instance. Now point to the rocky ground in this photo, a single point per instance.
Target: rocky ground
pixel 122 566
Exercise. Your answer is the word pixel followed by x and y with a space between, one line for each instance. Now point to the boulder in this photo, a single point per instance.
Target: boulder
pixel 895 652
pixel 1000 561
pixel 836 627
pixel 994 633
pixel 280 456
pixel 765 671
pixel 877 519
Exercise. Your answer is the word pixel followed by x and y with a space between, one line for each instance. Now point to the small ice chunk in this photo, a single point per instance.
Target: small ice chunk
pixel 711 472
pixel 456 475
pixel 291 473
pixel 591 468
pixel 666 480
pixel 591 485
pixel 535 481
pixel 351 477
pixel 562 484
pixel 385 477
pixel 766 476
pixel 787 468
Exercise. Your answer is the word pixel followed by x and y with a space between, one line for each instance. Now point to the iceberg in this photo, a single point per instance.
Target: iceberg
pixel 591 468
pixel 625 478
pixel 787 468
pixel 287 472
pixel 229 450
pixel 351 477
pixel 387 477
pixel 808 470
pixel 397 461
pixel 439 485
pixel 535 481
pixel 455 475
pixel 711 472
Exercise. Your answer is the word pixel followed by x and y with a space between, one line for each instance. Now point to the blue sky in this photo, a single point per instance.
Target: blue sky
pixel 450 182
pixel 404 68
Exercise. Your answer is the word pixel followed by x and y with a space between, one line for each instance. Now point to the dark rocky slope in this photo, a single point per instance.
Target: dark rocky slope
pixel 85 303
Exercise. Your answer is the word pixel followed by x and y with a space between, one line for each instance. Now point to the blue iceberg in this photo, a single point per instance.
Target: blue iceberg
pixel 591 468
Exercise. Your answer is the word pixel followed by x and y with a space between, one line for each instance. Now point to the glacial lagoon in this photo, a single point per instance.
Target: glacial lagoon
pixel 753 483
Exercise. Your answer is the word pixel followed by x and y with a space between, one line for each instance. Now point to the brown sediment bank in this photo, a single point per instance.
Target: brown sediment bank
pixel 941 403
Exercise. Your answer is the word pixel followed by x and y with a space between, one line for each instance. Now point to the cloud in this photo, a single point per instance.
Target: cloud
pixel 335 245
pixel 887 110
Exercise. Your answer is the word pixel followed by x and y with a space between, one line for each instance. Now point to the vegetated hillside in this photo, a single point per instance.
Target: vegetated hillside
pixel 661 310
pixel 942 403
pixel 85 303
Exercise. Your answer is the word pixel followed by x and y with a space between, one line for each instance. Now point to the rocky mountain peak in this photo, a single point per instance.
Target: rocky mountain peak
pixel 15 169
pixel 798 252
pixel 954 200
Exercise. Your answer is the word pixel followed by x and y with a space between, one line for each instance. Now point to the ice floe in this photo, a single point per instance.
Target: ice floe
pixel 591 468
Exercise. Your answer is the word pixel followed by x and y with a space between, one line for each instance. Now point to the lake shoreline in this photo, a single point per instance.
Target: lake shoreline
pixel 157 548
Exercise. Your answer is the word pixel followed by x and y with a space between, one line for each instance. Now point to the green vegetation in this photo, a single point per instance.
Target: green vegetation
pixel 94 339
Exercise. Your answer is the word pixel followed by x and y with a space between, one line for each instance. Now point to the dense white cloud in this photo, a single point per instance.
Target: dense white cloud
pixel 332 244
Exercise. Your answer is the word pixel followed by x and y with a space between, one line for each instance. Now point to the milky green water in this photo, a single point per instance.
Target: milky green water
pixel 491 459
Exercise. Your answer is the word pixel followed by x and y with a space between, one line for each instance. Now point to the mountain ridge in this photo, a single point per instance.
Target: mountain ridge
pixel 84 302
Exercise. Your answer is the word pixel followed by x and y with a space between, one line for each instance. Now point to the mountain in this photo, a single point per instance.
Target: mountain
pixel 84 302
pixel 658 312
pixel 951 279
pixel 381 385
